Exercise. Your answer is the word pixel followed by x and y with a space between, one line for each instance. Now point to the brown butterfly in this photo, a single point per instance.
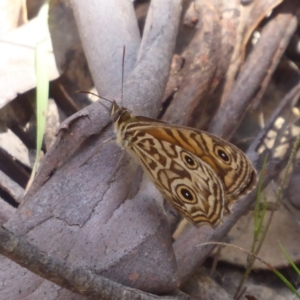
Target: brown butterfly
pixel 200 174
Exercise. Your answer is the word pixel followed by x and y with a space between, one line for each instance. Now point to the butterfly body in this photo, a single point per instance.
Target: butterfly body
pixel 200 174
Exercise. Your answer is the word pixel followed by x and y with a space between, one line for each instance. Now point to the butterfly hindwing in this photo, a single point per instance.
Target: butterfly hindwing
pixel 184 179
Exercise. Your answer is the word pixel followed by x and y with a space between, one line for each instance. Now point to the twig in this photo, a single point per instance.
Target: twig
pixel 284 103
pixel 272 43
pixel 77 279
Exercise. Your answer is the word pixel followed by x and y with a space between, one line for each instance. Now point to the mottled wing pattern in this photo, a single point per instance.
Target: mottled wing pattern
pixel 200 174
pixel 229 163
pixel 187 182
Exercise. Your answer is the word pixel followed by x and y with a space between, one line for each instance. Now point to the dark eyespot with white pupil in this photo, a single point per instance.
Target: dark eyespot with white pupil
pixel 223 155
pixel 189 160
pixel 186 194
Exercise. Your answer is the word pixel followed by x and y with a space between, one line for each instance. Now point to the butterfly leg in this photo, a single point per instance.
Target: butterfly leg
pixel 116 167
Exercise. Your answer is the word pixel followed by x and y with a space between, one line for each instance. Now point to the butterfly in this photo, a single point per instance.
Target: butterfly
pixel 200 174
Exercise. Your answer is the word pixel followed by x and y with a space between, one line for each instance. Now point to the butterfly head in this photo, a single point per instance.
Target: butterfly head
pixel 121 117
pixel 120 114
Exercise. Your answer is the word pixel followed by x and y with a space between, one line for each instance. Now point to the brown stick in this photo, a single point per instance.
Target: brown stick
pixel 76 279
pixel 267 52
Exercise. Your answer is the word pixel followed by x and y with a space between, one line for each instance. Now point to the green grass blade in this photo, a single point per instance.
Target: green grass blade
pixel 42 88
pixel 288 258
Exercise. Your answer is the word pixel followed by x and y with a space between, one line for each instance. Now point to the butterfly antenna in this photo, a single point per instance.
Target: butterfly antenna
pixel 86 92
pixel 122 83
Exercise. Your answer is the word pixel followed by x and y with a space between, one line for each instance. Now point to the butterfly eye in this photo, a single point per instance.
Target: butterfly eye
pixel 186 194
pixel 191 163
pixel 223 155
